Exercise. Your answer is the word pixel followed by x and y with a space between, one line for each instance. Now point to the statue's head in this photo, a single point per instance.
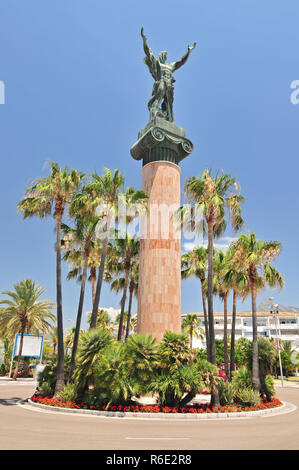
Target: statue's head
pixel 163 55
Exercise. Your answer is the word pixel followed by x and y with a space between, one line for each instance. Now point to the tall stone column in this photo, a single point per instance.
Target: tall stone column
pixel 161 145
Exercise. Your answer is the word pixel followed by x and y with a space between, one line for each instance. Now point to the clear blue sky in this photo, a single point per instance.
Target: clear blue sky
pixel 76 93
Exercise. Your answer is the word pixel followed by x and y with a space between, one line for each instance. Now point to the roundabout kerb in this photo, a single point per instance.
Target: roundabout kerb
pixel 283 409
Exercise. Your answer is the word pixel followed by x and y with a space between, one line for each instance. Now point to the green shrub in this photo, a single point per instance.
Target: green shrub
pixel 141 356
pixel 46 389
pixel 93 342
pixel 115 382
pixel 209 374
pixel 242 378
pixel 2 370
pixel 269 380
pixel 68 392
pixel 171 385
pixel 247 397
pixel 48 376
pixel 226 392
pixel 94 398
pixel 174 350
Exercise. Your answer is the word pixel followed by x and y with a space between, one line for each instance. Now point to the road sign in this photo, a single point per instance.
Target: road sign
pixel 32 345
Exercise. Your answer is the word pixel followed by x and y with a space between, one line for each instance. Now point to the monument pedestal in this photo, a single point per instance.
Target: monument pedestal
pixel 161 145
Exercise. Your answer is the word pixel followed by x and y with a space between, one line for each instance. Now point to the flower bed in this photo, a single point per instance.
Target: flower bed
pixel 203 408
pixel 21 374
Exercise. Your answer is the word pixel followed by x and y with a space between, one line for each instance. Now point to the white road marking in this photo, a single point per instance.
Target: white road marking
pixel 159 438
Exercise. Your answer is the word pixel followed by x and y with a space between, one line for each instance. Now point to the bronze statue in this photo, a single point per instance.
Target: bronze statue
pixel 163 87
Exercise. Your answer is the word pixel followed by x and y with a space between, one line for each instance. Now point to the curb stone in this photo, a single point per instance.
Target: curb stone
pixel 163 416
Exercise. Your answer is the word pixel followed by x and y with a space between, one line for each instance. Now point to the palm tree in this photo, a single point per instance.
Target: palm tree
pixel 103 320
pixel 235 279
pixel 82 236
pixel 25 313
pixel 123 328
pixel 69 339
pixel 191 325
pixel 93 263
pixel 256 256
pixel 221 266
pixel 75 259
pixel 117 285
pixel 44 197
pixel 194 263
pixel 212 196
pixel 103 193
pixel 133 290
pixel 133 324
pixel 121 258
pixel 53 338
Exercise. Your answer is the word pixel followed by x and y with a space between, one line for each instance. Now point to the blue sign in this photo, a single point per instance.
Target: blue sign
pixel 32 345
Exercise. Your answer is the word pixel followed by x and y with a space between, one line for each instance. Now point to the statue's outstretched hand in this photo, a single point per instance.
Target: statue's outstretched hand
pixel 190 48
pixel 142 33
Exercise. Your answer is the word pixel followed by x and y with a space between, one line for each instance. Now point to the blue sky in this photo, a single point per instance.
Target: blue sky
pixel 76 92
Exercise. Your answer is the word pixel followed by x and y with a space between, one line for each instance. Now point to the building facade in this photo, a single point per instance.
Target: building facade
pixel 284 326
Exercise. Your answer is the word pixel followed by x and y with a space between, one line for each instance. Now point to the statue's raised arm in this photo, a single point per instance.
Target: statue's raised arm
pixel 150 61
pixel 147 49
pixel 176 65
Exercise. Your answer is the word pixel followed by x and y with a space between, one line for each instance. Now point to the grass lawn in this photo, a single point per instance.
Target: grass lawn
pixel 289 379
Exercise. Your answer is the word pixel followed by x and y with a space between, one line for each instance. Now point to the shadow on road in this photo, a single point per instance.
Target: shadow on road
pixel 9 401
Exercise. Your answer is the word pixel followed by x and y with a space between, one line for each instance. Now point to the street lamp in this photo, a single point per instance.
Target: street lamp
pixel 274 311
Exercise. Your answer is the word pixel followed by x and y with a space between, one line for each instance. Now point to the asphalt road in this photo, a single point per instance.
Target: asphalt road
pixel 25 428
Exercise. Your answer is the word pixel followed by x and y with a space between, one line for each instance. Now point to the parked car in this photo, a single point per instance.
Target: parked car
pixel 221 371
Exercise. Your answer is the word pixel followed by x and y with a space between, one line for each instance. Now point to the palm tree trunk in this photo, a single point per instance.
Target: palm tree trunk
pixel 191 339
pixel 79 317
pixel 60 356
pixel 255 354
pixel 19 355
pixel 95 308
pixel 188 397
pixel 212 345
pixel 26 367
pixel 131 292
pixel 93 275
pixel 204 307
pixel 226 366
pixel 123 302
pixel 233 333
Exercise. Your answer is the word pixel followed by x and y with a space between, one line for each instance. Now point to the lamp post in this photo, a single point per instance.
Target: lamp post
pixel 274 311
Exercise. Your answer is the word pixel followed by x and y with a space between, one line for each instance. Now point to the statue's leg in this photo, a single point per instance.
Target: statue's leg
pixel 169 95
pixel 157 96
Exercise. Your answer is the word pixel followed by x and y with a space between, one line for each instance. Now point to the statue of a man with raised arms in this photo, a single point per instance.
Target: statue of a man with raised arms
pixel 163 87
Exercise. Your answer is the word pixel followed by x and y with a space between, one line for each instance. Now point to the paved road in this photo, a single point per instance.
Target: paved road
pixel 24 428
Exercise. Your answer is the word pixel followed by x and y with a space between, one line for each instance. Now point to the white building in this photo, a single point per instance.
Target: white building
pixel 287 326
